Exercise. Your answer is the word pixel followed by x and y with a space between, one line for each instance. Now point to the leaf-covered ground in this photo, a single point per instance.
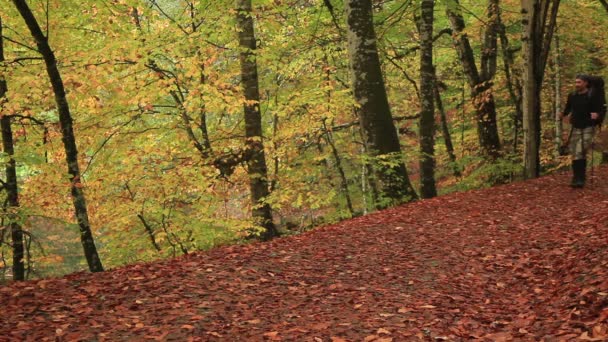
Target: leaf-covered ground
pixel 525 261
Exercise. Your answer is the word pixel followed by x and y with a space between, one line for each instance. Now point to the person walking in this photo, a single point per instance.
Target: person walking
pixel 582 112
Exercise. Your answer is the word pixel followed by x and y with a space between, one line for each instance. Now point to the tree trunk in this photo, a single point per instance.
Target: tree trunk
pixel 531 147
pixel 378 129
pixel 67 132
pixel 343 180
pixel 256 164
pixel 559 129
pixel 427 96
pixel 480 83
pixel 445 129
pixel 513 82
pixel 12 190
pixel 539 19
pixel 605 4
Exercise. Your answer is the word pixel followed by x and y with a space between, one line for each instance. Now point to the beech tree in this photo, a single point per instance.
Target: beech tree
pixel 256 162
pixel 539 20
pixel 10 185
pixel 427 97
pixel 68 137
pixel 379 132
pixel 479 79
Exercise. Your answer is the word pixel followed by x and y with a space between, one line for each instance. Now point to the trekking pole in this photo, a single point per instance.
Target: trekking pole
pixel 592 155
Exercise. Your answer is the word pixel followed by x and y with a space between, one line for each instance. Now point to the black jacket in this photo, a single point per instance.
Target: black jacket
pixel 581 106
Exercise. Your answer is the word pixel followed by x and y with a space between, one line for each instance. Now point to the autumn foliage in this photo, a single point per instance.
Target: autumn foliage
pixel 526 261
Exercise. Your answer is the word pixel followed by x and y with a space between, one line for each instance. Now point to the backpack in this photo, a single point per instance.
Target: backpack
pixel 596 87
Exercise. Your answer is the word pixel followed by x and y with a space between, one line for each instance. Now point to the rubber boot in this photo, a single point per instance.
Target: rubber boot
pixel 574 181
pixel 578 169
pixel 583 172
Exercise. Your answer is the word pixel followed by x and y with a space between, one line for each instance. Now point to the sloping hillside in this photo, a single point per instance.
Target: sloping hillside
pixel 523 261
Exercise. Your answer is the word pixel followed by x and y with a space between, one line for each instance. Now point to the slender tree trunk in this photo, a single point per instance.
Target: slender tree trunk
pixel 479 82
pixel 539 20
pixel 379 132
pixel 10 186
pixel 559 129
pixel 67 132
pixel 149 231
pixel 343 180
pixel 445 129
pixel 330 141
pixel 427 96
pixel 256 165
pixel 513 81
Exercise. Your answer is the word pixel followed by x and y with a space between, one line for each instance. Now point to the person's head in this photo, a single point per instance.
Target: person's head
pixel 582 83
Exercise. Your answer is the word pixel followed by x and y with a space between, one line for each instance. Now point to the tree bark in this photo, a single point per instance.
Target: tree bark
pixel 427 96
pixel 343 180
pixel 513 82
pixel 256 165
pixel 559 129
pixel 480 83
pixel 12 190
pixel 68 138
pixel 447 137
pixel 539 20
pixel 378 130
pixel 605 4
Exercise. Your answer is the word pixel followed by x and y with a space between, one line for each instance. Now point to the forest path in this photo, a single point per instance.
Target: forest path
pixel 522 261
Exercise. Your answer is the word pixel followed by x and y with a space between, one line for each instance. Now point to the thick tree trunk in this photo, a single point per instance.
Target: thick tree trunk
pixel 539 20
pixel 531 147
pixel 480 83
pixel 67 132
pixel 256 165
pixel 427 96
pixel 379 132
pixel 12 190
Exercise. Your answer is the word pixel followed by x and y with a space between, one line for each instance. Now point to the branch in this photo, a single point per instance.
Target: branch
pixel 447 31
pixel 169 17
pixel 355 123
pixel 21 44
pixel 18 60
pixel 330 7
pixel 20 116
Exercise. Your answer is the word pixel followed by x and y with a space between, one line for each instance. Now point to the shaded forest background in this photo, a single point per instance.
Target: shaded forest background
pixel 155 94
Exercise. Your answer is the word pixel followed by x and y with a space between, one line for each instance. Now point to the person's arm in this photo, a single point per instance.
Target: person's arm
pixel 596 107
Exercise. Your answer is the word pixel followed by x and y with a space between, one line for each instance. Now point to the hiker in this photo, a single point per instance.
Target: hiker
pixel 582 112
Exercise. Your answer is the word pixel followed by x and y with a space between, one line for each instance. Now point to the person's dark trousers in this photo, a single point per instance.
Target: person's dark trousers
pixel 579 171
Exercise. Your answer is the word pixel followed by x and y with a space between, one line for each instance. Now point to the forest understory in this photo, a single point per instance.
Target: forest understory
pixel 524 261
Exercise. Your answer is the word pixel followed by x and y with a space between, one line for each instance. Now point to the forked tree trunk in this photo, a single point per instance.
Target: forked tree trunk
pixel 10 186
pixel 539 20
pixel 480 79
pixel 378 129
pixel 513 81
pixel 427 96
pixel 256 164
pixel 67 134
